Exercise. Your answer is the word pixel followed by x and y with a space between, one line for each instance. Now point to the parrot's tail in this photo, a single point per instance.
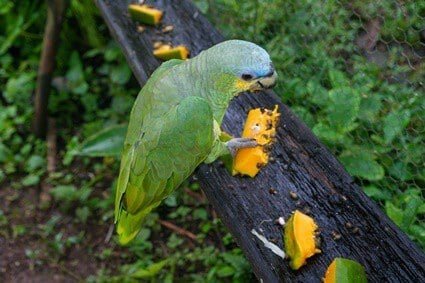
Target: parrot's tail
pixel 129 225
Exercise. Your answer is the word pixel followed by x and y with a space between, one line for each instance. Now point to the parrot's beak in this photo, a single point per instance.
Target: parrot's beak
pixel 266 82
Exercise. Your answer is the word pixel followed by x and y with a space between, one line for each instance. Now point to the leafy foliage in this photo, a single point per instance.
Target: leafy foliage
pixel 368 107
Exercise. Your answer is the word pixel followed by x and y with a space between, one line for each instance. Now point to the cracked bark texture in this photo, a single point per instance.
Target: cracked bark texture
pixel 302 165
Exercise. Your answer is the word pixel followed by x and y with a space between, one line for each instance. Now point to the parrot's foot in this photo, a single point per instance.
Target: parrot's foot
pixel 237 143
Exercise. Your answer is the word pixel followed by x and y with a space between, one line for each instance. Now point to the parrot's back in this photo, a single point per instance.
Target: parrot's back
pixel 169 134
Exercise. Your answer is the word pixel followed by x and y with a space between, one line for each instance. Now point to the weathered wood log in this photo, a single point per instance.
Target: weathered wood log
pixel 302 165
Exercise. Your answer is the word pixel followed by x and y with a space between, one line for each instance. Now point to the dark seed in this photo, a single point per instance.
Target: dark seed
pixel 348 225
pixel 272 191
pixel 230 187
pixel 355 230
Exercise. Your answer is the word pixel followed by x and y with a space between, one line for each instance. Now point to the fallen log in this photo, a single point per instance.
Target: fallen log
pixel 304 174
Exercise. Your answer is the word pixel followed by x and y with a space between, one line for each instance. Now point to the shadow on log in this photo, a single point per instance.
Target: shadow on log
pixel 302 165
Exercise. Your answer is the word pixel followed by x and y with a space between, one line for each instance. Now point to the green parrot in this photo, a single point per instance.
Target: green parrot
pixel 175 125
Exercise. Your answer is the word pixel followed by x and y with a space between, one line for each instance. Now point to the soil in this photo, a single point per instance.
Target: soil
pixel 30 256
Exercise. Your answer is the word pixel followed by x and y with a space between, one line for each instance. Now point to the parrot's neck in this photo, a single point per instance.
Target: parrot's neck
pixel 217 88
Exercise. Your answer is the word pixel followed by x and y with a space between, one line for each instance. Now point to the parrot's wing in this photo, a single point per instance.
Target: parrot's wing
pixel 131 144
pixel 161 159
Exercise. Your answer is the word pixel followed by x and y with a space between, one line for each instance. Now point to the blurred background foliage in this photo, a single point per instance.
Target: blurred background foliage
pixel 351 70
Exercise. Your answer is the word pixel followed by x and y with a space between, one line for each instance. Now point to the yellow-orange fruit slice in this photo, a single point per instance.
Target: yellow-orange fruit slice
pixel 300 239
pixel 261 125
pixel 145 14
pixel 167 52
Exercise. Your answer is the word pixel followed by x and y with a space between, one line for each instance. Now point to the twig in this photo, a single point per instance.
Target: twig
pixel 109 234
pixel 177 229
pixel 55 15
pixel 199 197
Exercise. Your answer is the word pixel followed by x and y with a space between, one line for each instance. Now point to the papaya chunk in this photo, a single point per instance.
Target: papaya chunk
pixel 343 270
pixel 167 52
pixel 261 125
pixel 145 14
pixel 300 239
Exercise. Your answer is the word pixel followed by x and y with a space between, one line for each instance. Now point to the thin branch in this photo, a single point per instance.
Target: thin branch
pixel 55 15
pixel 177 229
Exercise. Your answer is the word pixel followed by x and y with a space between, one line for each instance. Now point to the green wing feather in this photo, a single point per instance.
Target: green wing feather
pixel 159 154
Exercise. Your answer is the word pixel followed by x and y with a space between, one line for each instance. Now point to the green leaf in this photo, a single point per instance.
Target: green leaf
pixel 327 133
pixel 393 212
pixel 370 107
pixel 31 180
pixel 64 192
pixel 375 193
pixel 337 78
pixel 225 271
pixel 395 123
pixel 343 107
pixel 107 142
pixel 361 163
pixel 151 270
pixel 120 74
pixel 35 162
pixel 409 213
pixel 305 115
pixel 82 213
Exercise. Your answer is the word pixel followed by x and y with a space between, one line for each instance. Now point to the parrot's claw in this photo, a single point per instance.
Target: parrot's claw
pixel 237 143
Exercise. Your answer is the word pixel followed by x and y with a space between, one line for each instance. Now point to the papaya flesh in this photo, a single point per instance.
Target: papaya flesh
pixel 300 239
pixel 145 14
pixel 167 52
pixel 261 125
pixel 343 270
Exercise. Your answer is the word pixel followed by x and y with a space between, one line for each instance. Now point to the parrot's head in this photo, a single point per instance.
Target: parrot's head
pixel 246 65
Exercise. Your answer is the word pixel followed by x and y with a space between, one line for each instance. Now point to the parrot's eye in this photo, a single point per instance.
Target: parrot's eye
pixel 247 77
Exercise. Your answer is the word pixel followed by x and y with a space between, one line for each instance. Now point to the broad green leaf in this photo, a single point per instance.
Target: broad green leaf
pixel 400 170
pixel 337 78
pixel 225 271
pixel 108 142
pixel 35 162
pixel 393 212
pixel 395 123
pixel 409 213
pixel 31 180
pixel 151 270
pixel 361 163
pixel 370 107
pixel 304 115
pixel 82 213
pixel 375 193
pixel 418 231
pixel 343 107
pixel 327 134
pixel 318 93
pixel 120 74
pixel 64 192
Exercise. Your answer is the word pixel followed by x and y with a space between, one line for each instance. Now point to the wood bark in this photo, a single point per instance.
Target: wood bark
pixel 55 15
pixel 351 224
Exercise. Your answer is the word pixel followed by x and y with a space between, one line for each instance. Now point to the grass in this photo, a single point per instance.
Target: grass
pixel 367 106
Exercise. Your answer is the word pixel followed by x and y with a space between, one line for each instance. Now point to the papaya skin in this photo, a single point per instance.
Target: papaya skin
pixel 145 14
pixel 343 270
pixel 261 125
pixel 300 239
